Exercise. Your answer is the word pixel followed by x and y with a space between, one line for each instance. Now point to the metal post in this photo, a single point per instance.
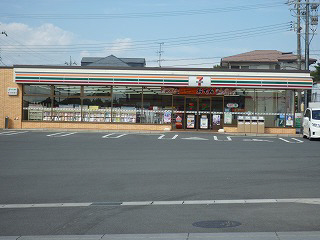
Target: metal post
pixel 307 48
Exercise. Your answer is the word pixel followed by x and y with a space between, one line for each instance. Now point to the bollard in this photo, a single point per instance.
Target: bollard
pixel 6 123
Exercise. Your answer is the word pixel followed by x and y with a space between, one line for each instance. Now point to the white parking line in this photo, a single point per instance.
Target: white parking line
pixel 163 137
pixel 60 134
pixel 12 133
pixel 55 134
pixel 4 133
pixel 216 139
pixel 64 135
pixel 298 140
pixel 112 135
pixel 287 141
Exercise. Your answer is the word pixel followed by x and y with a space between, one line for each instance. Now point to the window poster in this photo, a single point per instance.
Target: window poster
pixel 167 117
pixel 289 120
pixel 228 118
pixel 190 121
pixel 204 122
pixel 216 119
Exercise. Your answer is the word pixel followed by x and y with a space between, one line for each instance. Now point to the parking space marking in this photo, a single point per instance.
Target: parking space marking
pixel 163 137
pixel 50 135
pixel 12 133
pixel 295 140
pixel 194 138
pixel 256 140
pixel 216 139
pixel 113 135
pixel 298 140
pixel 60 134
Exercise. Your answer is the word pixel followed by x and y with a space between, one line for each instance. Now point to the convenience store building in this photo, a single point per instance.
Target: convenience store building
pixel 117 98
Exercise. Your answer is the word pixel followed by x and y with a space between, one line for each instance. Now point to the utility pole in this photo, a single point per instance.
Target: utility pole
pixel 298 34
pixel 160 53
pixel 70 63
pixel 307 48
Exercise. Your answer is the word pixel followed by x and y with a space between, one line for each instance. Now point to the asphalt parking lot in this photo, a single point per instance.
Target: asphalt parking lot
pixel 75 183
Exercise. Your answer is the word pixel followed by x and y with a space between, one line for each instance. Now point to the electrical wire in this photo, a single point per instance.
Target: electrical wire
pixel 143 15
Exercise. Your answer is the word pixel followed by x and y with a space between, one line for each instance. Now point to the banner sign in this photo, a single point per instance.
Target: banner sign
pixel 199 91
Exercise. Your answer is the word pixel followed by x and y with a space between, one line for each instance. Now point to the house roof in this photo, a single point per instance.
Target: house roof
pixel 112 61
pixel 266 56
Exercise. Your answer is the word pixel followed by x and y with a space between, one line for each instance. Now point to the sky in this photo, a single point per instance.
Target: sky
pixel 191 33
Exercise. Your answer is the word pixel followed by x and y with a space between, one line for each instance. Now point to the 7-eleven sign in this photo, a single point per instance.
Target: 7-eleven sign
pixel 199 81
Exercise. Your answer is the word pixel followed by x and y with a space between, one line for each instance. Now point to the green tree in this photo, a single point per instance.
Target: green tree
pixel 316 74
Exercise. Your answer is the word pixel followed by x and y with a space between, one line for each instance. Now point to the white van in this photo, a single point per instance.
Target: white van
pixel 311 123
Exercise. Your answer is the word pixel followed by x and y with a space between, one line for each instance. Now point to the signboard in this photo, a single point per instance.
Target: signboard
pixel 13 91
pixel 206 91
pixel 216 119
pixel 200 81
pixel 204 122
pixel 190 121
pixel 232 105
pixel 298 117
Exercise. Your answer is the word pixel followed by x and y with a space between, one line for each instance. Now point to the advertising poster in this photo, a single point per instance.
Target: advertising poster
pixel 227 118
pixel 204 122
pixel 167 117
pixel 190 121
pixel 216 119
pixel 289 120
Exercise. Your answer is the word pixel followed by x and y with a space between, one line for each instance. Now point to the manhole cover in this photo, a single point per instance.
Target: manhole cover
pixel 216 224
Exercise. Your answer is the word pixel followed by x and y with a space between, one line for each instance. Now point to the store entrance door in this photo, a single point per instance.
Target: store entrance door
pixel 198 113
pixel 191 113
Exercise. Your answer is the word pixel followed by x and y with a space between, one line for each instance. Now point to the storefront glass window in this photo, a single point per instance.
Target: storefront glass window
pixel 67 90
pixel 37 108
pixel 126 104
pixel 66 109
pixel 272 104
pixel 37 89
pixel 96 109
pixel 100 91
pixel 157 106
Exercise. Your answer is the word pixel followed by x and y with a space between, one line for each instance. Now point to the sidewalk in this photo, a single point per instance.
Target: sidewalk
pixel 179 236
pixel 146 131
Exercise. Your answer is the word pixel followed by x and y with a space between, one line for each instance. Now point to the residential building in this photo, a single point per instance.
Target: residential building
pixel 264 59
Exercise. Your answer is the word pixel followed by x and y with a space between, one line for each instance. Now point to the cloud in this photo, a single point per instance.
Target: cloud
pixel 120 46
pixel 25 44
pixel 46 34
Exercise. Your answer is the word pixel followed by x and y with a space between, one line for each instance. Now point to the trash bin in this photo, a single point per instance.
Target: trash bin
pixel 254 124
pixel 6 122
pixel 247 124
pixel 261 124
pixel 240 124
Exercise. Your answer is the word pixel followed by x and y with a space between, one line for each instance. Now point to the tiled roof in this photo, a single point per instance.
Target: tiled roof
pixel 269 56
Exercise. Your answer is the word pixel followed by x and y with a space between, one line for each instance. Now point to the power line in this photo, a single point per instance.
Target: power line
pixel 144 15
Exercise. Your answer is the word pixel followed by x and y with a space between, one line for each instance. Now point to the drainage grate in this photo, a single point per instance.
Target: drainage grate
pixel 216 224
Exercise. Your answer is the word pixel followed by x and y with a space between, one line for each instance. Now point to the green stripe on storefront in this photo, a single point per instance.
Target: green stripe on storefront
pixel 267 82
pixel 248 82
pixel 300 83
pixel 223 81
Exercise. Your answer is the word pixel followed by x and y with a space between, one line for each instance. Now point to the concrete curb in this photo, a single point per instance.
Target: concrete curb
pixel 179 236
pixel 160 132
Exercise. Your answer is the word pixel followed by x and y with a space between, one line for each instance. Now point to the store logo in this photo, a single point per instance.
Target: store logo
pixel 200 81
